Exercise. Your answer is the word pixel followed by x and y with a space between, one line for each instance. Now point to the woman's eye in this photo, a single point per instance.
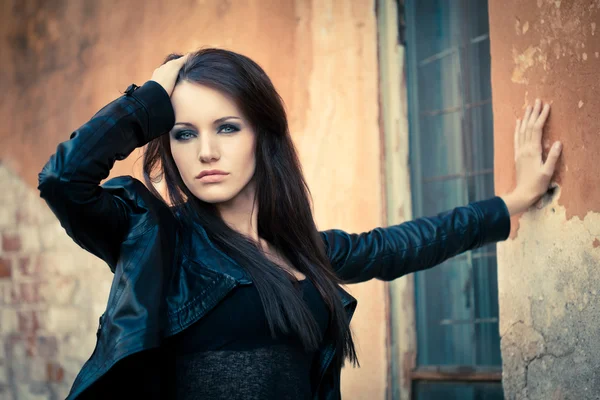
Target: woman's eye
pixel 184 135
pixel 228 128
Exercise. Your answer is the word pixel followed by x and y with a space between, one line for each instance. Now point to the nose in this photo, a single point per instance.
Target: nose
pixel 209 148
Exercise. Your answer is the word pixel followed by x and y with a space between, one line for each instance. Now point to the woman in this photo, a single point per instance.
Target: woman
pixel 225 289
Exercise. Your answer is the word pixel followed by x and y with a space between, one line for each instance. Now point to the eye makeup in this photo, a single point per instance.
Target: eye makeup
pixel 187 134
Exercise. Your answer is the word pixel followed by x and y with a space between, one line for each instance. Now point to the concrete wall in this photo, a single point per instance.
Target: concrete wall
pixel 64 60
pixel 549 271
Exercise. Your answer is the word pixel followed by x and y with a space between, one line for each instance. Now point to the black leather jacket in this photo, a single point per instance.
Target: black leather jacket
pixel 153 293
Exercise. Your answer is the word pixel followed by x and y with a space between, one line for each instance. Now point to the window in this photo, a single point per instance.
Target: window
pixel 451 161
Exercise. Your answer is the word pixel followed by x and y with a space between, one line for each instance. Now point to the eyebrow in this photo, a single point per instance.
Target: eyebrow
pixel 216 122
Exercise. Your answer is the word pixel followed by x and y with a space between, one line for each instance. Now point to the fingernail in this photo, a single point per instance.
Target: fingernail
pixel 558 145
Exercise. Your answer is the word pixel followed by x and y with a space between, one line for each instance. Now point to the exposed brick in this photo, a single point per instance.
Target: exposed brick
pixel 48 263
pixel 51 236
pixel 76 346
pixel 5 269
pixel 7 216
pixel 29 321
pixel 47 346
pixel 19 349
pixel 30 238
pixel 3 376
pixel 38 371
pixel 42 391
pixel 28 210
pixel 9 321
pixel 11 242
pixel 29 266
pixel 59 291
pixel 19 371
pixel 55 372
pixel 25 293
pixel 21 215
pixel 62 263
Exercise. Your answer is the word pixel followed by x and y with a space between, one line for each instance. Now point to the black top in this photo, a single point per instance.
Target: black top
pixel 230 354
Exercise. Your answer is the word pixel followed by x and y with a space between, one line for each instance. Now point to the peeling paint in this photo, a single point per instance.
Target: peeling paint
pixel 525 27
pixel 549 310
pixel 546 61
pixel 580 104
pixel 557 50
pixel 523 62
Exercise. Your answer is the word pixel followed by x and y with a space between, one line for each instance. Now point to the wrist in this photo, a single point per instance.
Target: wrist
pixel 517 202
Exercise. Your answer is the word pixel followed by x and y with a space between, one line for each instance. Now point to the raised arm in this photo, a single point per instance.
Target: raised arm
pixel 388 253
pixel 98 217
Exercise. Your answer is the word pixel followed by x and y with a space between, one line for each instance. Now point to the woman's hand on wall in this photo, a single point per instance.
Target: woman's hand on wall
pixel 533 174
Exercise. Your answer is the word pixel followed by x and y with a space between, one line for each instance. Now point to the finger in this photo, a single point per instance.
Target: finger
pixel 532 118
pixel 553 155
pixel 539 125
pixel 516 139
pixel 524 124
pixel 178 60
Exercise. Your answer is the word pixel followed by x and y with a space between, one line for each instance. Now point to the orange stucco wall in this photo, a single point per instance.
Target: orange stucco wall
pixel 64 60
pixel 549 271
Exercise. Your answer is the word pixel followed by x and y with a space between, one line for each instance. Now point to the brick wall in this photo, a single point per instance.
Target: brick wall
pixel 51 295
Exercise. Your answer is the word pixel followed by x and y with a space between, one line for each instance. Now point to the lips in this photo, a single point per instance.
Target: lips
pixel 211 176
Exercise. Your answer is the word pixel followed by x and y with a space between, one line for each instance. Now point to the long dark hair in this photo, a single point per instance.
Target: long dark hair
pixel 285 218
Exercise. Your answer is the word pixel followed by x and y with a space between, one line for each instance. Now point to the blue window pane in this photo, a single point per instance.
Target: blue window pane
pixel 445 335
pixel 485 283
pixel 487 344
pixel 438 26
pixel 478 17
pixel 479 70
pixel 458 391
pixel 438 141
pixel 442 195
pixel 482 137
pixel 439 84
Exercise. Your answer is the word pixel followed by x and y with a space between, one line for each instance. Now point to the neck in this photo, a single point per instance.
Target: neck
pixel 241 213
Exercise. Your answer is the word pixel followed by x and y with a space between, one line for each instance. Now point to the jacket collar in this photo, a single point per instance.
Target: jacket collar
pixel 234 271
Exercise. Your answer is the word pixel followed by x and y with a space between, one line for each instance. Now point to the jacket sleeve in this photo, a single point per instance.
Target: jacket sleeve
pixel 391 252
pixel 96 217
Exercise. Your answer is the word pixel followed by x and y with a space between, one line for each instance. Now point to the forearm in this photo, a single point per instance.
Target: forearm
pixel 112 134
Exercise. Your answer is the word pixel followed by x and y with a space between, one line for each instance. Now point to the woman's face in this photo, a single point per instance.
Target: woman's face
pixel 212 143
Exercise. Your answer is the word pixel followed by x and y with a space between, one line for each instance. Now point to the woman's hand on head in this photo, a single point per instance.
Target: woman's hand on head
pixel 533 174
pixel 166 74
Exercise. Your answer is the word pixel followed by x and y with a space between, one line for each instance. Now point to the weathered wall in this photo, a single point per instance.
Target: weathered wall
pixel 51 294
pixel 64 60
pixel 549 271
pixel 402 346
